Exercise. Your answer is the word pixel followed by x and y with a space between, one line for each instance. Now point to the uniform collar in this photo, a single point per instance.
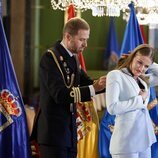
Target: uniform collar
pixel 71 54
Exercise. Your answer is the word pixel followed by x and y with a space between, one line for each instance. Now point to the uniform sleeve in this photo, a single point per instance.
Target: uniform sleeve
pixel 85 79
pixel 114 90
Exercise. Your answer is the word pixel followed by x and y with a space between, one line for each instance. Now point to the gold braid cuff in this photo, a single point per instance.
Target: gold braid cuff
pixel 76 94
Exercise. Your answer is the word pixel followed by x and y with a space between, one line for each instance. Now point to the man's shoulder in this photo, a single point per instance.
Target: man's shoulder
pixel 46 54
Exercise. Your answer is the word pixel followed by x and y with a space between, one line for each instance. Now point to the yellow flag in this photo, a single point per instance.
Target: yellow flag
pixel 87 130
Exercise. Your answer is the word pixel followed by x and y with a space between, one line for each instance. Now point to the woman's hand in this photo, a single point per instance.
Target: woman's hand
pixel 144 94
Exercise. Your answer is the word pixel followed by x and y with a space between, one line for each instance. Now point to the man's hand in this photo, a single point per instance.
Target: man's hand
pixel 100 84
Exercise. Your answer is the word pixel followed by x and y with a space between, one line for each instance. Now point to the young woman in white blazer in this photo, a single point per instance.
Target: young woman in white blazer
pixel 127 96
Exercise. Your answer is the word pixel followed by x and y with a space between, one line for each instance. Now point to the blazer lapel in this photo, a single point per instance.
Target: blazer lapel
pixel 143 83
pixel 131 80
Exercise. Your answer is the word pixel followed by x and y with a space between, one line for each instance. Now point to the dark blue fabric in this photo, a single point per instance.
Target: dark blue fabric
pixel 154 116
pixel 14 138
pixel 105 135
pixel 112 45
pixel 0 8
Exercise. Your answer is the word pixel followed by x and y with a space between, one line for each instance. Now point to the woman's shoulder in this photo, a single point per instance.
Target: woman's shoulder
pixel 114 75
pixel 114 72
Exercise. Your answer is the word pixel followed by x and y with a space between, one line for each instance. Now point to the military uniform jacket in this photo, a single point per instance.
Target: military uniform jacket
pixel 61 84
pixel 133 130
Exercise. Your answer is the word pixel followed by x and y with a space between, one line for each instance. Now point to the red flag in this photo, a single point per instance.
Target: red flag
pixel 82 62
pixel 71 11
pixel 143 33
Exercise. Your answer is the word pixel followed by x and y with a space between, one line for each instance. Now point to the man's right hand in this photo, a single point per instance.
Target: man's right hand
pixel 100 84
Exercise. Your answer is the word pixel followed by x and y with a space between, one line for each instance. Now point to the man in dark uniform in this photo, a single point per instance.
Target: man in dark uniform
pixel 62 84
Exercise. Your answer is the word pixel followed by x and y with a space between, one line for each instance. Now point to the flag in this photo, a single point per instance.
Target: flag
pixel 0 8
pixel 87 130
pixel 112 52
pixel 106 129
pixel 153 108
pixel 87 118
pixel 132 38
pixel 153 111
pixel 14 137
pixel 143 33
pixel 154 116
pixel 82 61
pixel 71 11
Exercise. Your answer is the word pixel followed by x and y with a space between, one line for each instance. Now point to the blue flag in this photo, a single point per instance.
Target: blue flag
pixel 14 138
pixel 0 8
pixel 112 46
pixel 154 116
pixel 106 125
pixel 112 52
pixel 132 38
